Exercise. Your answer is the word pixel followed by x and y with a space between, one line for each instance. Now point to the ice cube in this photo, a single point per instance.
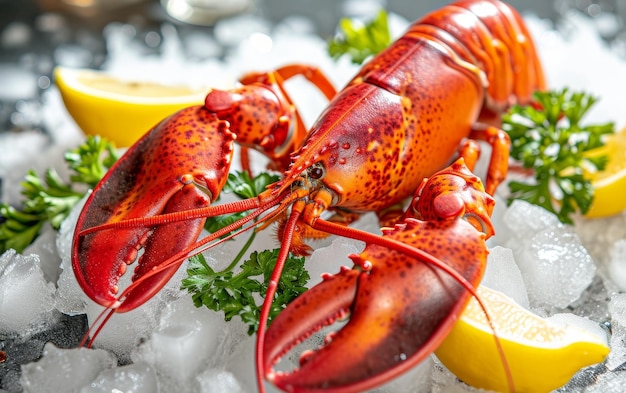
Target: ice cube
pixel 58 123
pixel 132 378
pixel 416 380
pixel 503 232
pixel 240 363
pixel 443 381
pixel 218 381
pixel 186 338
pixel 123 332
pixel 502 274
pixel 231 31
pixel 607 383
pixel 65 370
pixel 18 83
pixel 526 219
pixel 617 264
pixel 26 298
pixel 329 259
pixel 45 247
pixel 20 152
pixel 617 309
pixel 555 266
pixel 594 301
pixel 70 299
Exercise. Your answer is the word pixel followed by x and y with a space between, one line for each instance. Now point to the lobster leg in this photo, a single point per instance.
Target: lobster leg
pixel 498 163
pixel 264 116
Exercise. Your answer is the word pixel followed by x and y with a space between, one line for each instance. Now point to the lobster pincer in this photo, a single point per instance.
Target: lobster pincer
pixel 400 308
pixel 149 181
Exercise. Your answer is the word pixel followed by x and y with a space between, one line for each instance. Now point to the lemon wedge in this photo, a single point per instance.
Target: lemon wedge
pixel 610 183
pixel 541 355
pixel 121 111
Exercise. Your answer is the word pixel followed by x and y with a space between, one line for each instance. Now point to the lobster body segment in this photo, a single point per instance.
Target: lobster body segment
pixel 371 139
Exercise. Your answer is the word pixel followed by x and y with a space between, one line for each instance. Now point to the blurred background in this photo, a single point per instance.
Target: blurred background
pixel 36 35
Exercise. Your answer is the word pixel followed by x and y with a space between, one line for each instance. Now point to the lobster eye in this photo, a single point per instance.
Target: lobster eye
pixel 316 171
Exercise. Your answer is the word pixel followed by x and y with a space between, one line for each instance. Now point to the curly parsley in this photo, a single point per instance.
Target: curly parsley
pixel 50 199
pixel 551 141
pixel 361 41
pixel 235 293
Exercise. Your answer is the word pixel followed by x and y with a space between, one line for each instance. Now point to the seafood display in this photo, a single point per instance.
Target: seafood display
pixel 407 114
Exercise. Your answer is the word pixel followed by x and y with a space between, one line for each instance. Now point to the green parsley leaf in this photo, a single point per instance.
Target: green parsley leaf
pixel 51 199
pixel 552 142
pixel 361 41
pixel 234 294
pixel 91 160
pixel 237 294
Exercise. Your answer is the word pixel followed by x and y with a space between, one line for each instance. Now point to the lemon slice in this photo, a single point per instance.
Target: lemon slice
pixel 119 110
pixel 541 355
pixel 609 184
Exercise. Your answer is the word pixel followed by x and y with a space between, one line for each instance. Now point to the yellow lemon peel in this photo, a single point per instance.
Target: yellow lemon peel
pixel 610 183
pixel 121 111
pixel 541 355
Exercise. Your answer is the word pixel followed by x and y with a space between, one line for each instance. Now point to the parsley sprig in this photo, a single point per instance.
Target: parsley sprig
pixel 361 41
pixel 551 141
pixel 50 199
pixel 234 294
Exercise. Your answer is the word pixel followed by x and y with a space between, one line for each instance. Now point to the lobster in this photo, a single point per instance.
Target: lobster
pixel 404 116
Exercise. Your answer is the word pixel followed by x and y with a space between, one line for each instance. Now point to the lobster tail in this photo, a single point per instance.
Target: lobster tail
pixel 500 46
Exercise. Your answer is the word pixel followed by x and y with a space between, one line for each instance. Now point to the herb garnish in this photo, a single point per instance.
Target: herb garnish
pixel 361 41
pixel 551 141
pixel 51 199
pixel 235 293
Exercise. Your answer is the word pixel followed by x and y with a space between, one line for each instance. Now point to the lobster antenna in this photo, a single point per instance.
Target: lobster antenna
pixel 208 242
pixel 201 212
pixel 191 250
pixel 107 313
pixel 296 211
pixel 358 234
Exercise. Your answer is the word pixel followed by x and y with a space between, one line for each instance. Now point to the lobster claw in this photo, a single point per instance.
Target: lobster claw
pixel 400 306
pixel 400 310
pixel 153 177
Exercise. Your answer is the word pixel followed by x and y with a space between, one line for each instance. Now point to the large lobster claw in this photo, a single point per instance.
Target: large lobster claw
pixel 401 308
pixel 180 164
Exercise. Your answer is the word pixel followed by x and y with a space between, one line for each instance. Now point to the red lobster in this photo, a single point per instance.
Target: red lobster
pixel 403 117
